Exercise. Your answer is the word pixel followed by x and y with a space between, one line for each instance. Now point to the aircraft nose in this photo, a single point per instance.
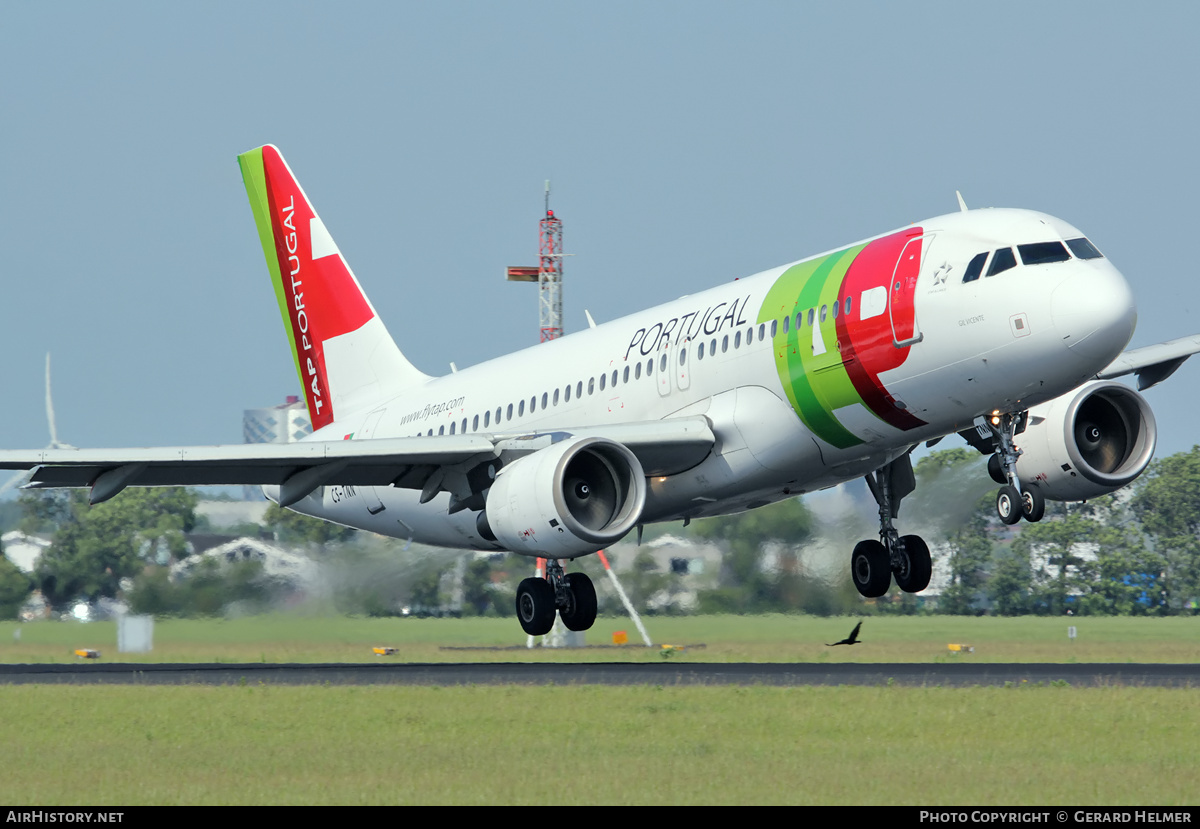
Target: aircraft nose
pixel 1094 313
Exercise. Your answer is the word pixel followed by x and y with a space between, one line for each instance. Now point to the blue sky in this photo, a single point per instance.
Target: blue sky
pixel 688 143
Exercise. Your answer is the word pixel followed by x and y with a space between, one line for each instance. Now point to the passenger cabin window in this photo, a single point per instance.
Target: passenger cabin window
pixel 700 351
pixel 475 423
pixel 556 397
pixel 1002 261
pixel 613 382
pixel 603 377
pixel 625 375
pixel 487 418
pixel 1083 249
pixel 975 267
pixel 520 408
pixel 567 395
pixel 1042 253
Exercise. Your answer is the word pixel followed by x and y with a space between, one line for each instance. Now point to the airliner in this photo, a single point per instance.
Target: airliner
pixel 1004 326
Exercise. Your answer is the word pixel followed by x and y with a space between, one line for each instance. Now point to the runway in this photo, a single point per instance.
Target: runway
pixel 608 673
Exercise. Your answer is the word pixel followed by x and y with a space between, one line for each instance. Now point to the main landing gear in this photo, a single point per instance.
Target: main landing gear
pixel 1013 501
pixel 873 564
pixel 572 596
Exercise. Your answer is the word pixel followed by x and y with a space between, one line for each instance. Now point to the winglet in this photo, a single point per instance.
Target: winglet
pixel 962 205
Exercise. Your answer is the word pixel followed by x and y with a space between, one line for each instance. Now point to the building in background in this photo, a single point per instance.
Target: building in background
pixel 285 423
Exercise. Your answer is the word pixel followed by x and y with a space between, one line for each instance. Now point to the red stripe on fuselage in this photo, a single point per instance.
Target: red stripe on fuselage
pixel 871 350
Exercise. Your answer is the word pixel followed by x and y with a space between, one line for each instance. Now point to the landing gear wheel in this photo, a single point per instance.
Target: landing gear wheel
pixel 870 567
pixel 913 576
pixel 1033 504
pixel 996 470
pixel 535 606
pixel 580 612
pixel 1008 504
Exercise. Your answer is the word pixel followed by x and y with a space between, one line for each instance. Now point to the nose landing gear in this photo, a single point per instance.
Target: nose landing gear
pixel 1013 502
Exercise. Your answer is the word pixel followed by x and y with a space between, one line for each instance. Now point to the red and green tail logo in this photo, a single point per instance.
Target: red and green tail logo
pixel 318 296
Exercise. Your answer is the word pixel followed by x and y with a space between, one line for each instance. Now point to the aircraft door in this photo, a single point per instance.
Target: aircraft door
pixel 664 369
pixel 683 366
pixel 902 302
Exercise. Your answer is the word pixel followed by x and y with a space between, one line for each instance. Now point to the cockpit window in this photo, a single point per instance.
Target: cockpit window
pixel 1043 252
pixel 1083 249
pixel 975 268
pixel 1002 261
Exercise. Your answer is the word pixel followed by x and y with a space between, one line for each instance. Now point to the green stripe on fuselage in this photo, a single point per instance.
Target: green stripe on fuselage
pixel 816 384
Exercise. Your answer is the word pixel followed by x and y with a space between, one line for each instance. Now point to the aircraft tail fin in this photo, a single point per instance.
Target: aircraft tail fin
pixel 344 355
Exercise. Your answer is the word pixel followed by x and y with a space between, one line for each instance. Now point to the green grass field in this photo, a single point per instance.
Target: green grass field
pixel 285 638
pixel 262 744
pixel 598 745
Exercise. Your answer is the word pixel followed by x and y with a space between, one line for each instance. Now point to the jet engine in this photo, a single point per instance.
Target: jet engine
pixel 572 498
pixel 1088 443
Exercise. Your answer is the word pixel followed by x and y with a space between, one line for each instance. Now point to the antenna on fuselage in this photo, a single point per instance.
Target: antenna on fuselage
pixel 962 205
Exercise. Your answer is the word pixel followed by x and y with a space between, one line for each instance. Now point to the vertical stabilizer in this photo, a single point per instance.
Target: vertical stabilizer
pixel 344 355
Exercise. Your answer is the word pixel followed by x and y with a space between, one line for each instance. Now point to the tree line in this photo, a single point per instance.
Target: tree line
pixel 1136 552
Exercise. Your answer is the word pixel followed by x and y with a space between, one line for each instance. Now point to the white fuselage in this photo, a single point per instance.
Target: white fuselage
pixel 795 409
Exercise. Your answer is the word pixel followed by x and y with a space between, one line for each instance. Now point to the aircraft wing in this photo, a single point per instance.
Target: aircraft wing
pixel 664 447
pixel 1152 363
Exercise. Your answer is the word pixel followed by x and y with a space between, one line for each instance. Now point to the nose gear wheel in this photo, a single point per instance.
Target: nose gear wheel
pixel 1013 501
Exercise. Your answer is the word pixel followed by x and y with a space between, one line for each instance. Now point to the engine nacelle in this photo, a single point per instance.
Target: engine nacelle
pixel 1088 443
pixel 572 498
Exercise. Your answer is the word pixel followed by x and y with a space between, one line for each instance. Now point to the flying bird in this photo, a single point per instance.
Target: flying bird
pixel 852 639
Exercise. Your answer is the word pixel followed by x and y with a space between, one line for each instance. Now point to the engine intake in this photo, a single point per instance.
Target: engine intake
pixel 570 499
pixel 1088 443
